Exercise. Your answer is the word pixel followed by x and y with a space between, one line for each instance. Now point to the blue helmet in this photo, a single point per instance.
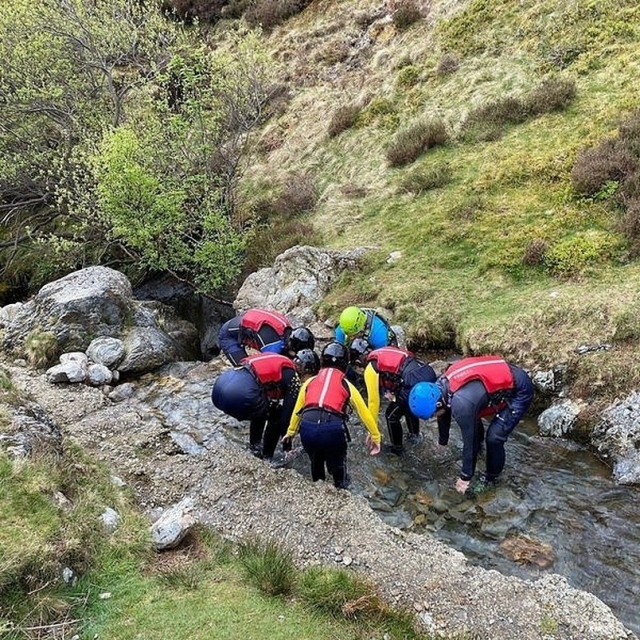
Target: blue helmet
pixel 423 399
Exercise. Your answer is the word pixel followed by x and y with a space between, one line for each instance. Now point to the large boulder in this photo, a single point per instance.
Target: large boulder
pixel 300 277
pixel 617 438
pixel 69 314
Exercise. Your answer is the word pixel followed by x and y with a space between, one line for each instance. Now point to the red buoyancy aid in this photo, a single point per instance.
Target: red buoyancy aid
pixel 253 320
pixel 492 371
pixel 327 391
pixel 268 369
pixel 389 362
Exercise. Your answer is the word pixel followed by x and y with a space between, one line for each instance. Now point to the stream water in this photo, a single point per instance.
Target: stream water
pixel 555 509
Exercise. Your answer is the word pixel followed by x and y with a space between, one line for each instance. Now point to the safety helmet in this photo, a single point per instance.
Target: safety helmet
pixel 335 354
pixel 307 361
pixel 300 338
pixel 358 349
pixel 423 399
pixel 352 320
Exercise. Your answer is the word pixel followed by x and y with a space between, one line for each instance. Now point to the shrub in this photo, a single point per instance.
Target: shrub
pixel 629 226
pixel 534 253
pixel 189 11
pixel 343 118
pixel 405 13
pixel 571 256
pixel 267 566
pixel 409 143
pixel 408 76
pixel 609 161
pixel 426 178
pixel 299 195
pixel 270 13
pixel 554 94
pixel 447 64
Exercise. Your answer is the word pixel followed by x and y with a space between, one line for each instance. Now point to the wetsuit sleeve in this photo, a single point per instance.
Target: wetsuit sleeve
pixel 356 401
pixel 294 423
pixel 379 334
pixel 372 382
pixel 519 402
pixel 291 388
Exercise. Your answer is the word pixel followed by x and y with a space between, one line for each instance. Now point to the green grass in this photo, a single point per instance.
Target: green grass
pixel 464 279
pixel 124 590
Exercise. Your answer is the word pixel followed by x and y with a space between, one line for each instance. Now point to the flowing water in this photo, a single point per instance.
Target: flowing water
pixel 555 509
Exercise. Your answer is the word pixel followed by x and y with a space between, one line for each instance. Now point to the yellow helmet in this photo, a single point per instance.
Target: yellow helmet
pixel 352 320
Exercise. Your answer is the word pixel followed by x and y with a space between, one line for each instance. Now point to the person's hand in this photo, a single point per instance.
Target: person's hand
pixel 462 485
pixel 286 441
pixel 374 449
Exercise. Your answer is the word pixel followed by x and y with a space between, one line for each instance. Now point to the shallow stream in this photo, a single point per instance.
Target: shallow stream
pixel 556 508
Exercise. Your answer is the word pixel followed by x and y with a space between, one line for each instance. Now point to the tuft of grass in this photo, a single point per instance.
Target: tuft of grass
pixel 343 118
pixel 447 64
pixel 425 178
pixel 414 140
pixel 41 348
pixel 267 566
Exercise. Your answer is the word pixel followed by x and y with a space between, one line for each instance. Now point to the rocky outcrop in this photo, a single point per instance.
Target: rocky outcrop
pixel 68 315
pixel 617 438
pixel 300 278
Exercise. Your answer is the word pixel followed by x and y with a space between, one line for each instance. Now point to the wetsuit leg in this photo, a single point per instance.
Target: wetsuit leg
pixel 497 435
pixel 310 437
pixel 274 430
pixel 336 457
pixel 413 423
pixel 393 414
pixel 256 429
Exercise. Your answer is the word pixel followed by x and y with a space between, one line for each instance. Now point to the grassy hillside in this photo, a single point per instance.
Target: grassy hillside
pixel 500 251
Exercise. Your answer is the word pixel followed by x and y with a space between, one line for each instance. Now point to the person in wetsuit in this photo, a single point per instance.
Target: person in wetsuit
pixel 392 372
pixel 264 331
pixel 469 390
pixel 320 416
pixel 263 389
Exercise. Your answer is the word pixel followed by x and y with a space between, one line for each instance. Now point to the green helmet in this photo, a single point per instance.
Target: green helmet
pixel 352 320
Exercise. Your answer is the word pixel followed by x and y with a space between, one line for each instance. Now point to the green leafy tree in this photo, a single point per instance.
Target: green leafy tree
pixel 121 140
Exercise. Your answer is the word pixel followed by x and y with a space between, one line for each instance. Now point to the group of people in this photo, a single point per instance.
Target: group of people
pixel 286 389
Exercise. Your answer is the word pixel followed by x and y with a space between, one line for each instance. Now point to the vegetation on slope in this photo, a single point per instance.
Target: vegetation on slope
pixel 494 144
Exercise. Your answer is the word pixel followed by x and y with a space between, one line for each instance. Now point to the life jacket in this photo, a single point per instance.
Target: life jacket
pixel 327 391
pixel 494 373
pixel 371 314
pixel 389 362
pixel 254 319
pixel 268 368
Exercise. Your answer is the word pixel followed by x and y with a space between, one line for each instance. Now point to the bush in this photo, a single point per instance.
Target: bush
pixel 534 253
pixel 629 226
pixel 447 64
pixel 571 256
pixel 426 178
pixel 270 13
pixel 188 11
pixel 409 143
pixel 405 13
pixel 609 161
pixel 554 94
pixel 343 118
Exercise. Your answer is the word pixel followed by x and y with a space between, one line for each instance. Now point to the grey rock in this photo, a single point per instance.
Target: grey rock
pixel 106 351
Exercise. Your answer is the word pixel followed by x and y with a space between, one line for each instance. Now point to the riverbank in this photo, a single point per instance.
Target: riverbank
pixel 240 496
